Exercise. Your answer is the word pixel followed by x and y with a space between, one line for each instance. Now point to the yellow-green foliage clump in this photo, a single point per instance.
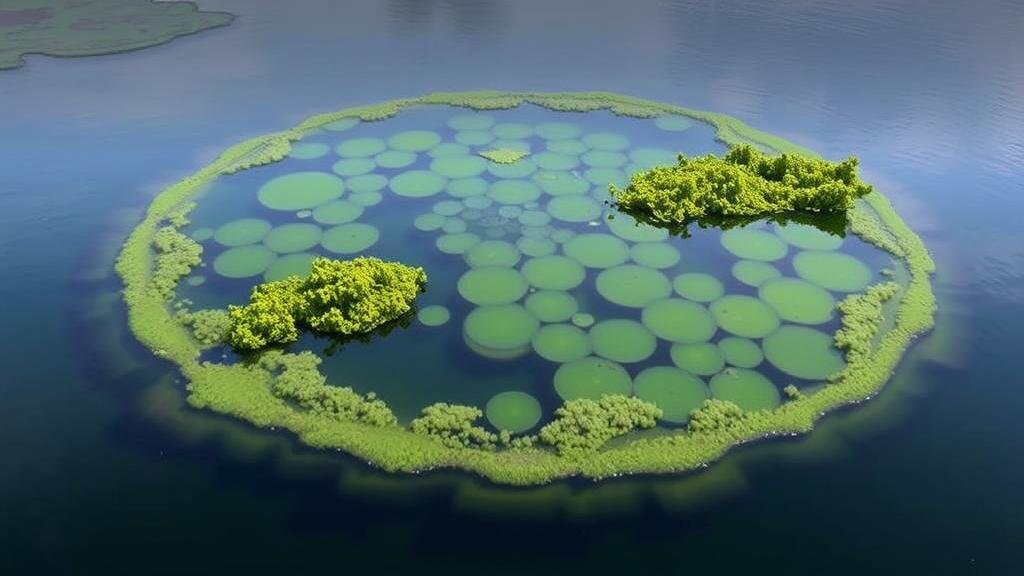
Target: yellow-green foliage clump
pixel 714 416
pixel 176 255
pixel 338 297
pixel 297 378
pixel 745 182
pixel 209 327
pixel 454 425
pixel 505 155
pixel 581 426
pixel 861 317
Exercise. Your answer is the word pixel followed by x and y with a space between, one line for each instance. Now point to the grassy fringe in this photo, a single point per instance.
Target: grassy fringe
pixel 245 391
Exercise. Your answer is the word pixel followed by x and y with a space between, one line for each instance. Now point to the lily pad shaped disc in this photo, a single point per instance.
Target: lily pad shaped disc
pixel 754 244
pixel 493 253
pixel 349 238
pixel 744 316
pixel 632 286
pixel 414 141
pixel 244 261
pixel 754 273
pixel 241 232
pixel 591 378
pixel 807 237
pixel 798 301
pixel 703 359
pixel 501 331
pixel 492 285
pixel 626 227
pixel 293 237
pixel 418 183
pixel 740 352
pixel 300 190
pixel 513 411
pixel 747 389
pixel 290 265
pixel 551 305
pixel 803 352
pixel 433 315
pixel 676 392
pixel 597 250
pixel 553 272
pixel 832 270
pixel 561 343
pixel 574 208
pixel 622 340
pixel 698 287
pixel 678 320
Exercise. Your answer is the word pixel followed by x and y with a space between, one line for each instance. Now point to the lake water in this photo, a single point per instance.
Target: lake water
pixel 102 469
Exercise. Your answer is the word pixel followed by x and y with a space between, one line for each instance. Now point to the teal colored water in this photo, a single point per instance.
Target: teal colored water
pixel 103 470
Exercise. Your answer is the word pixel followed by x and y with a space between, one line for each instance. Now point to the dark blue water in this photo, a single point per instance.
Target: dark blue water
pixel 102 471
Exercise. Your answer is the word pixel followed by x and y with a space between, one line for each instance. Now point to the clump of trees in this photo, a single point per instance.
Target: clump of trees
pixel 176 255
pixel 743 183
pixel 582 426
pixel 297 377
pixel 455 426
pixel 209 327
pixel 337 297
pixel 714 415
pixel 861 318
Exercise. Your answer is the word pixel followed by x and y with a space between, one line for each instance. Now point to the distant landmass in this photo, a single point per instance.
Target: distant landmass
pixel 68 28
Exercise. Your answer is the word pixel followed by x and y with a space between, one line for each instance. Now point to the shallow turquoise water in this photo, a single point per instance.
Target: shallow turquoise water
pixel 927 94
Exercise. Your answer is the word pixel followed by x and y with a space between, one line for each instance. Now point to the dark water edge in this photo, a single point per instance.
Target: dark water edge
pixel 927 93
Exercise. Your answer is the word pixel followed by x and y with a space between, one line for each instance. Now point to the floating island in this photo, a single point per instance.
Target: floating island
pixel 526 286
pixel 95 27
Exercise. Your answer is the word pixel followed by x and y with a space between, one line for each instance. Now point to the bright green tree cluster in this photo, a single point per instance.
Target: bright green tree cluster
pixel 209 327
pixel 455 426
pixel 176 255
pixel 861 318
pixel 745 182
pixel 714 415
pixel 337 297
pixel 297 378
pixel 584 425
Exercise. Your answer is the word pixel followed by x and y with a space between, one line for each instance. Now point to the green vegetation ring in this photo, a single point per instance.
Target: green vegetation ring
pixel 244 392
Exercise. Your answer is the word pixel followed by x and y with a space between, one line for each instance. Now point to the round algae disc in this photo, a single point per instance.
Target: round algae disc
pixel 803 352
pixel 456 243
pixel 418 183
pixel 474 137
pixel 754 273
pixel 337 212
pixel 459 166
pixel 655 254
pixel 703 359
pixel 492 285
pixel 512 130
pixel 798 301
pixel 353 166
pixel 557 130
pixel 536 246
pixel 673 123
pixel 300 190
pixel 360 147
pixel 591 378
pixel 521 145
pixel 394 159
pixel 569 147
pixel 366 183
pixel 698 287
pixel 603 177
pixel 478 202
pixel 454 225
pixel 500 331
pixel 626 227
pixel 606 141
pixel 290 265
pixel 514 191
pixel 622 340
pixel 471 121
pixel 740 352
pixel 534 218
pixel 832 270
pixel 428 222
pixel 561 343
pixel 583 320
pixel 548 160
pixel 633 286
pixel 744 316
pixel 349 238
pixel 520 169
pixel 513 411
pixel 510 212
pixel 807 237
pixel 647 158
pixel 448 149
pixel 197 280
pixel 241 232
pixel 466 187
pixel 433 315
pixel 604 159
pixel 754 244
pixel 493 253
pixel 447 207
pixel 202 234
pixel 597 250
pixel 553 272
pixel 676 392
pixel 243 261
pixel 551 305
pixel 293 237
pixel 341 125
pixel 574 208
pixel 414 141
pixel 678 320
pixel 745 388
pixel 560 183
pixel 308 150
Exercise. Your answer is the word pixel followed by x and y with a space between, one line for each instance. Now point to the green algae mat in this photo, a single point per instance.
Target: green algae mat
pixel 540 291
pixel 94 27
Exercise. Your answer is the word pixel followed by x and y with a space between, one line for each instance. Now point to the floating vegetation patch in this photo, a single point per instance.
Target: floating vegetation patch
pixel 554 321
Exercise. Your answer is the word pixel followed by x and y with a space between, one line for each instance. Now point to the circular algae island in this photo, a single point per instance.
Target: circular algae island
pixel 553 319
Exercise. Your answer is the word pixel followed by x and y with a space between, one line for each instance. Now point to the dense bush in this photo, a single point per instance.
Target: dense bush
pixel 209 327
pixel 455 426
pixel 176 255
pixel 714 415
pixel 338 297
pixel 745 182
pixel 861 318
pixel 584 425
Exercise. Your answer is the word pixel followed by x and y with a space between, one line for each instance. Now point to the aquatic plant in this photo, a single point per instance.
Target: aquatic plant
pixel 337 297
pixel 745 182
pixel 583 425
pixel 209 327
pixel 454 426
pixel 504 155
